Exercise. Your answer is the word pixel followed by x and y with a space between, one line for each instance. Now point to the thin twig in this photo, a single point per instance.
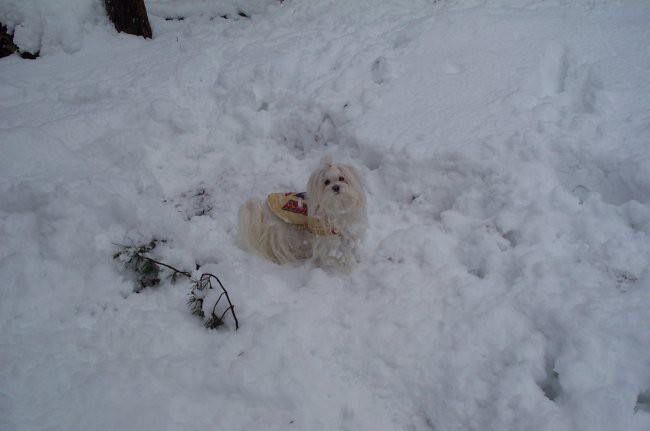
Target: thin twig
pixel 214 308
pixel 185 273
pixel 231 306
pixel 231 310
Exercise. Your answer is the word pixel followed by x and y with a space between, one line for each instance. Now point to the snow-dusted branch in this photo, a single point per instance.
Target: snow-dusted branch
pixel 203 298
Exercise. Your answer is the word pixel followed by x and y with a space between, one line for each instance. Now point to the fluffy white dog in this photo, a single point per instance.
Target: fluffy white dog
pixel 328 224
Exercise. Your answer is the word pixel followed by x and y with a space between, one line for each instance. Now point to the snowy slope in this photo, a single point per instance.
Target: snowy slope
pixel 505 149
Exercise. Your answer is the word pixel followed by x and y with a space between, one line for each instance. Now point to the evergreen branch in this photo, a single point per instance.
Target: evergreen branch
pixel 231 306
pixel 176 271
pixel 196 303
pixel 135 258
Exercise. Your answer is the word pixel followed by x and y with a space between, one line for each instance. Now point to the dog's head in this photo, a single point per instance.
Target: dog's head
pixel 335 189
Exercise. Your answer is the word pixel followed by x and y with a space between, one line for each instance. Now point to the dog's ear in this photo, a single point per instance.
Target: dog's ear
pixel 314 189
pixel 354 180
pixel 327 161
pixel 351 173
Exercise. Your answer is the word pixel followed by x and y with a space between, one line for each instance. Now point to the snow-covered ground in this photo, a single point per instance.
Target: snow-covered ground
pixel 505 150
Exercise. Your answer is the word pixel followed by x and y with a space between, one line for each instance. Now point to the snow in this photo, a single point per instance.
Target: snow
pixel 504 149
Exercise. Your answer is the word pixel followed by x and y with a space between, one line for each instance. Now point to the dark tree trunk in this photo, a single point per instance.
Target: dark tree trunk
pixel 7 46
pixel 129 16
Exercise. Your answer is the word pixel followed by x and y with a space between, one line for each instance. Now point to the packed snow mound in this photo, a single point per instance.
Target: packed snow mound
pixel 51 26
pixel 504 151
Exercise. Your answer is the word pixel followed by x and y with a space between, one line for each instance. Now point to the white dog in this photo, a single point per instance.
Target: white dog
pixel 328 224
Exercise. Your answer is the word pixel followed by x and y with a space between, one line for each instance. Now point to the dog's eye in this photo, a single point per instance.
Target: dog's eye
pixel 341 179
pixel 327 182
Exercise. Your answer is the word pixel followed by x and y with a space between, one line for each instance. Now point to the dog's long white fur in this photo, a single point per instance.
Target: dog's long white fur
pixel 336 199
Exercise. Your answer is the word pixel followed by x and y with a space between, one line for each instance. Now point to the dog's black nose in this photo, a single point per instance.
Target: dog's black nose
pixel 336 188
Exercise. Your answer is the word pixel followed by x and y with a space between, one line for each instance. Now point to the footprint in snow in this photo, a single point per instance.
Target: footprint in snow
pixel 379 70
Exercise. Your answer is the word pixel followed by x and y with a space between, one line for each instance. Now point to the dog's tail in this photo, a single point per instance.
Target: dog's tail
pixel 264 234
pixel 251 222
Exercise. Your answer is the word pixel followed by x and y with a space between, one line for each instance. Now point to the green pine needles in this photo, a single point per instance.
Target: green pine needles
pixel 134 257
pixel 203 295
pixel 202 291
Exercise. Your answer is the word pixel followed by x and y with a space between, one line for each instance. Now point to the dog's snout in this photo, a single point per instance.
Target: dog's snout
pixel 336 188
